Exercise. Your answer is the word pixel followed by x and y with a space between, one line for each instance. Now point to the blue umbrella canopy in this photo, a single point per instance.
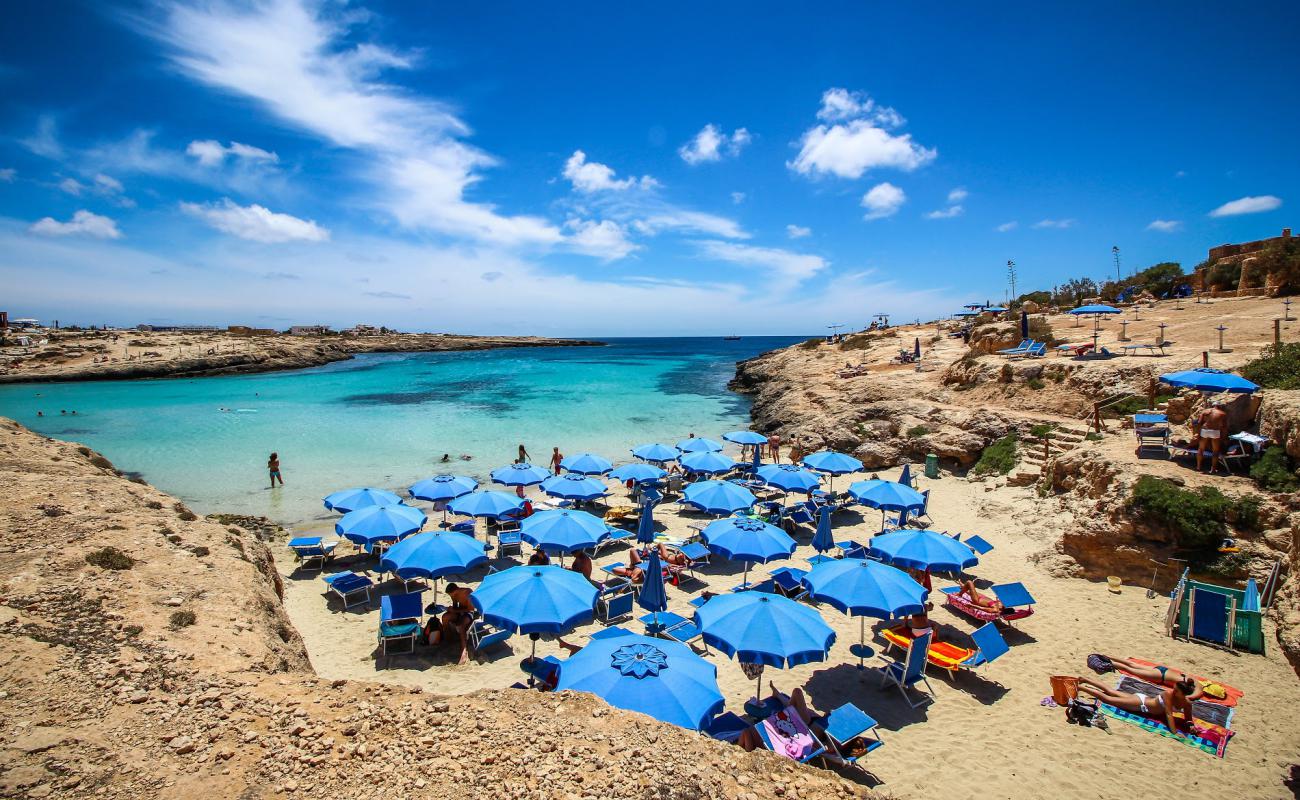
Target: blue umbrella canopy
pixel 645 526
pixel 563 530
pixel 862 587
pixel 718 497
pixel 443 487
pixel 433 555
pixel 832 463
pixel 887 495
pixel 1210 380
pixel 708 462
pixel 823 540
pixel 573 486
pixel 965 314
pixel 764 628
pixel 1095 309
pixel 586 464
pixel 658 677
pixel 923 549
pixel 995 309
pixel 745 437
pixel 638 472
pixel 371 524
pixel 656 452
pixel 698 445
pixel 531 599
pixel 519 474
pixel 653 596
pixel 746 539
pixel 353 499
pixel 486 504
pixel 788 477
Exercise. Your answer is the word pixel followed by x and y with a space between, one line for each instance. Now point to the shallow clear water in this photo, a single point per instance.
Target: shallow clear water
pixel 385 419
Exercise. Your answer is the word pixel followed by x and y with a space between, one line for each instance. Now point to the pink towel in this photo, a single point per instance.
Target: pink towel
pixel 788 735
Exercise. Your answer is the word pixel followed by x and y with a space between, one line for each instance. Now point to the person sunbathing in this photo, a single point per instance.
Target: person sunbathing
pixel 1158 675
pixel 632 573
pixel 1160 707
pixel 980 600
pixel 795 702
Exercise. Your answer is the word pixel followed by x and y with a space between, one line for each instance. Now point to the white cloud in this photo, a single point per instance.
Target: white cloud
pixel 681 220
pixel 736 197
pixel 958 195
pixel 955 207
pixel 1247 205
pixel 71 186
pixel 788 266
pixel 1164 225
pixel 592 176
pixel 797 231
pixel 83 223
pixel 44 141
pixel 1054 223
pixel 1007 226
pixel 860 140
pixel 712 143
pixel 106 184
pixel 883 200
pixel 605 239
pixel 8 174
pixel 256 223
pixel 211 153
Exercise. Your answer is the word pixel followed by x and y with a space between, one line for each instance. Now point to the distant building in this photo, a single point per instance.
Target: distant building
pixel 244 330
pixel 24 322
pixel 363 330
pixel 1252 281
pixel 146 328
pixel 309 330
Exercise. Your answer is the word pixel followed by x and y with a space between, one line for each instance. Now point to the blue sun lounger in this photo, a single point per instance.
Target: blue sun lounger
pixel 615 600
pixel 911 669
pixel 399 621
pixel 818 751
pixel 788 581
pixel 727 727
pixel 1024 345
pixel 612 632
pixel 846 723
pixel 672 626
pixel 348 585
pixel 310 549
pixel 484 635
pixel 616 535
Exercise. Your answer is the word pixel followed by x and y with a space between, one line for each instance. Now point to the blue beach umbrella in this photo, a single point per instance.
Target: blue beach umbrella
pixel 441 488
pixel 758 459
pixel 905 477
pixel 573 486
pixel 637 472
pixel 823 540
pixel 788 477
pixel 887 496
pixel 995 309
pixel 520 474
pixel 698 445
pixel 745 437
pixel 563 530
pixel 863 588
pixel 656 452
pixel 748 540
pixel 353 499
pixel 653 597
pixel 1094 309
pixel 645 526
pixel 433 555
pixel 708 462
pixel 832 463
pixel 586 464
pixel 492 505
pixel 1205 379
pixel 718 497
pixel 661 678
pixel 371 524
pixel 534 599
pixel 923 549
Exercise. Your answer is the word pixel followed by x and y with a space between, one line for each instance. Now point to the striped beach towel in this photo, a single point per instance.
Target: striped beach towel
pixel 1215 744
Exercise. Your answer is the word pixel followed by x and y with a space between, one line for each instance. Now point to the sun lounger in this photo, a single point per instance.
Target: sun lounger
pixel 399 621
pixel 786 734
pixel 697 555
pixel 348 585
pixel 910 671
pixel 846 723
pixel 466 527
pixel 615 601
pixel 952 657
pixel 616 536
pixel 1024 345
pixel 309 550
pixel 726 727
pixel 1152 349
pixel 611 632
pixel 484 636
pixel 542 670
pixel 977 543
pixel 957 600
pixel 788 582
pixel 672 626
pixel 1076 350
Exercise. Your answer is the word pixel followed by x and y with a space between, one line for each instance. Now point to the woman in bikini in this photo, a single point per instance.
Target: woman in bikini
pixel 1161 707
pixel 1160 676
pixel 980 600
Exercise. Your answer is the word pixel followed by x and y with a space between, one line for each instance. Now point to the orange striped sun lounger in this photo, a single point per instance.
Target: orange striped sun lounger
pixel 944 655
pixel 1233 695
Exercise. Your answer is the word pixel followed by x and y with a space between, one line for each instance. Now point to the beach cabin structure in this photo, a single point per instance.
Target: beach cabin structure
pixel 1214 614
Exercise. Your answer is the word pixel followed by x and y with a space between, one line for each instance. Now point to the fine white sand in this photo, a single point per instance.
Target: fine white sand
pixel 986 735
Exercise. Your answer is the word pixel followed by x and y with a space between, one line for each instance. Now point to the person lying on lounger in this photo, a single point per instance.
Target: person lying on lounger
pixel 632 573
pixel 1161 707
pixel 795 702
pixel 980 600
pixel 1160 676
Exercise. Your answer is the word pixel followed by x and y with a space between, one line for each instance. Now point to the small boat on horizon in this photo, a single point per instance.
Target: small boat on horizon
pixel 730 338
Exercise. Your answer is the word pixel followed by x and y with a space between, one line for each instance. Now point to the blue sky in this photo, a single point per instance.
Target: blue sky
pixel 605 169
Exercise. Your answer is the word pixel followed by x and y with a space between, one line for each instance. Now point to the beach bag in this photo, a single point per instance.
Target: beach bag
pixel 1100 664
pixel 1064 689
pixel 1081 713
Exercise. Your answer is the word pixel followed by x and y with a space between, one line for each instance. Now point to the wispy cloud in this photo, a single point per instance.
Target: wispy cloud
pixel 797 231
pixel 737 197
pixel 385 295
pixel 860 139
pixel 8 174
pixel 883 200
pixel 1007 226
pixel 256 223
pixel 712 143
pixel 1248 205
pixel 44 141
pixel 83 223
pixel 1054 223
pixel 592 176
pixel 1164 225
pixel 210 152
pixel 787 266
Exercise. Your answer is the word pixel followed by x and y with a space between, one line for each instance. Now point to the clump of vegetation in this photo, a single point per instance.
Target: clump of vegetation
pixel 1278 367
pixel 998 458
pixel 1134 403
pixel 1196 516
pixel 101 462
pixel 184 513
pixel 1245 512
pixel 1035 383
pixel 856 342
pixel 153 504
pixel 917 432
pixel 109 558
pixel 810 344
pixel 1040 330
pixel 182 619
pixel 1042 430
pixel 1226 565
pixel 1272 473
pixel 85 451
pixel 1093 437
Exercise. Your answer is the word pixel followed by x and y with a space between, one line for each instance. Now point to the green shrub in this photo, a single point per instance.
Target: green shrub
pixel 182 619
pixel 1134 403
pixel 810 344
pixel 1035 383
pixel 998 458
pixel 1041 330
pixel 917 432
pixel 1272 473
pixel 1226 565
pixel 110 558
pixel 1245 511
pixel 1197 517
pixel 856 342
pixel 1278 367
pixel 1093 437
pixel 1042 430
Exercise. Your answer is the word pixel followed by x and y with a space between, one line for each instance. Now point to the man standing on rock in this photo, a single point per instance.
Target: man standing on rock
pixel 1212 428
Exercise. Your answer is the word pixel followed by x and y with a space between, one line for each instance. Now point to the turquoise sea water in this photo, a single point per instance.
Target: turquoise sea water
pixel 385 419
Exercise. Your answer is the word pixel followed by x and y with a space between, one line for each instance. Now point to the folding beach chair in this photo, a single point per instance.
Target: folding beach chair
pixel 788 581
pixel 347 585
pixel 484 636
pixel 846 723
pixel 399 621
pixel 615 601
pixel 309 550
pixel 510 543
pixel 616 535
pixel 673 626
pixel 922 518
pixel 726 727
pixel 911 670
pixel 1024 345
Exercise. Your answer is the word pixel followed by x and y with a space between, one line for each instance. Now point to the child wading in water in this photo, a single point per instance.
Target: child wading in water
pixel 273 466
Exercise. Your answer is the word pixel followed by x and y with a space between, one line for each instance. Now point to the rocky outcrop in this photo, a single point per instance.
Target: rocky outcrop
pixel 1279 418
pixel 144 653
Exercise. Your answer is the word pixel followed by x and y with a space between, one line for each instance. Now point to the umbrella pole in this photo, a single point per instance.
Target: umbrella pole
pixel 746 583
pixel 862 639
pixel 758 687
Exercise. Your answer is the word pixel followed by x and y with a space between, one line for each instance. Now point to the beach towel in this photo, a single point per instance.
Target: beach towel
pixel 1203 713
pixel 960 601
pixel 1207 741
pixel 1231 695
pixel 788 735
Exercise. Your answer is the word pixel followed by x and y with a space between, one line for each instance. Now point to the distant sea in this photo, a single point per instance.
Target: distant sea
pixel 386 419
